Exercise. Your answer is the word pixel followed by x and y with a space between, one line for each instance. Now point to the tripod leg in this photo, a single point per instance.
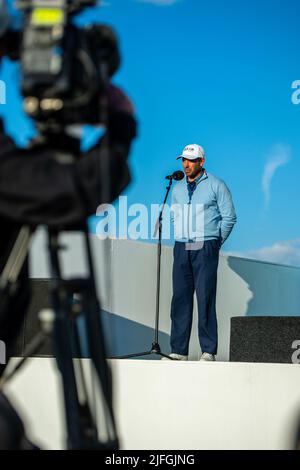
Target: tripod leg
pixel 12 266
pixel 63 349
pixel 63 354
pixel 96 343
pixel 14 283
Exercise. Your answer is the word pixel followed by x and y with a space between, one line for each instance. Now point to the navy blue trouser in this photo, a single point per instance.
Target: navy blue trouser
pixel 194 270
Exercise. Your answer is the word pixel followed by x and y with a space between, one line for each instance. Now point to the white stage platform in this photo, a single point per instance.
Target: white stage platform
pixel 175 405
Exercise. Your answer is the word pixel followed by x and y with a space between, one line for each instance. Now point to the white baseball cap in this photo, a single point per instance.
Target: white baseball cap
pixel 192 152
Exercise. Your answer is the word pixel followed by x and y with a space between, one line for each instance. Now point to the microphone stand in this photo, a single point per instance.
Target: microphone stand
pixel 155 348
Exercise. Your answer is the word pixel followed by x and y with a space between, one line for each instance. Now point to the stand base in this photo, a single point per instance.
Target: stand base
pixel 155 349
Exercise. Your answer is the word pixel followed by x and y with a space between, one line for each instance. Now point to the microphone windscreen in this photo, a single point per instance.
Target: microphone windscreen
pixel 178 175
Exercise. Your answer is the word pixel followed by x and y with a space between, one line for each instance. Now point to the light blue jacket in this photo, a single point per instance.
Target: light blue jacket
pixel 208 214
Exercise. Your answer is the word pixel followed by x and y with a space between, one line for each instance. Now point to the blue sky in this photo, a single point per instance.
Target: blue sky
pixel 218 73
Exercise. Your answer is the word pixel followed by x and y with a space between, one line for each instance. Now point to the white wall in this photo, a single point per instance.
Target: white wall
pixel 175 405
pixel 126 280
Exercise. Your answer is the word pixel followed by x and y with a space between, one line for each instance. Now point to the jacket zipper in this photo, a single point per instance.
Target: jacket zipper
pixel 189 204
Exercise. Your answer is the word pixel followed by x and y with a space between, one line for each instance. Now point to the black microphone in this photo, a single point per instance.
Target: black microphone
pixel 177 176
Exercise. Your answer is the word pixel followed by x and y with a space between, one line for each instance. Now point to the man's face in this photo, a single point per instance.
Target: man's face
pixel 192 168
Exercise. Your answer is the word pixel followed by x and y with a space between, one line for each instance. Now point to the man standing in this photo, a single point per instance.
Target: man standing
pixel 204 216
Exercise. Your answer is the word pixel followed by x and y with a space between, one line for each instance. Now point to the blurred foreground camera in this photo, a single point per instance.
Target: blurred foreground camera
pixel 65 80
pixel 65 69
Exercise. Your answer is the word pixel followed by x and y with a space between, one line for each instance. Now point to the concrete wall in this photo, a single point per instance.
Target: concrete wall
pixel 126 282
